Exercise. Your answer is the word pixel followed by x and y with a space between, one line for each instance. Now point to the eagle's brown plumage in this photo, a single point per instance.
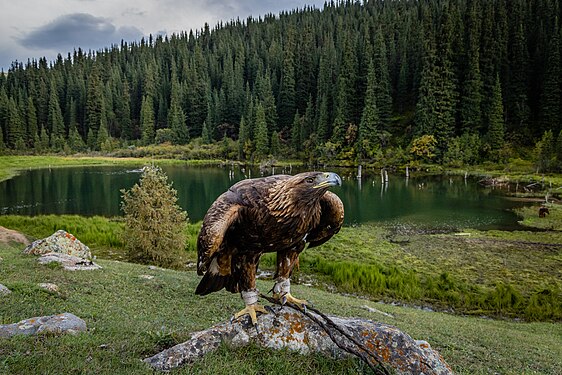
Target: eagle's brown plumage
pixel 279 214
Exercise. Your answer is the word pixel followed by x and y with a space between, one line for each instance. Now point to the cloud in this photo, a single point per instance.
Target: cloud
pixel 78 30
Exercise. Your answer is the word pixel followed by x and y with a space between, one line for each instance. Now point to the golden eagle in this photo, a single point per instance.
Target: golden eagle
pixel 281 214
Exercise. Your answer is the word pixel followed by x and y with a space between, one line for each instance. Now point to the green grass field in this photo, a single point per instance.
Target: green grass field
pixel 130 318
pixel 495 273
pixel 515 277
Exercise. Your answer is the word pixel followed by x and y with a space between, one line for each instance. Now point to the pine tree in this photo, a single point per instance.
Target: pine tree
pixel 382 87
pixel 370 120
pixel 55 121
pixel 264 93
pixel 75 141
pixel 275 144
pixel 244 141
pixel 551 92
pixel 545 152
pixel 123 112
pixel 15 126
pixel 102 138
pixel 261 133
pixel 154 222
pixel 94 103
pixel 286 105
pixel 426 107
pixel 496 126
pixel 471 99
pixel 31 117
pixel 446 93
pixel 346 101
pixel 43 144
pixel 296 141
pixel 518 111
pixel 147 121
pixel 176 115
pixel 322 128
pixel 206 134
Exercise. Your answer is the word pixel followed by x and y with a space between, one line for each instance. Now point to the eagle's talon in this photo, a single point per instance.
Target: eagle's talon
pixel 251 310
pixel 288 298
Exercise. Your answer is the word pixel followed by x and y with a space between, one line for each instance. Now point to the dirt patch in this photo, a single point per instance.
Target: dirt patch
pixel 9 235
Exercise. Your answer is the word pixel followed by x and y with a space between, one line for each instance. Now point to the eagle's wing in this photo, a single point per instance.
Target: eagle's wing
pixel 331 220
pixel 224 212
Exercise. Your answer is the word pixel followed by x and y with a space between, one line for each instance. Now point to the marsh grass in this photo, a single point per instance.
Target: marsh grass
pixel 130 318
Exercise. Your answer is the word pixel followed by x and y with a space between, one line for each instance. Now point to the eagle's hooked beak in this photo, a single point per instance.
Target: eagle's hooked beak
pixel 328 179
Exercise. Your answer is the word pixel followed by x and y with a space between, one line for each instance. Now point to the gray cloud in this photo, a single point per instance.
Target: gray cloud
pixel 133 12
pixel 233 8
pixel 78 29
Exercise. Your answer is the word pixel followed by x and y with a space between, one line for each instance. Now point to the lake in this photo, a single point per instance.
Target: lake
pixel 433 202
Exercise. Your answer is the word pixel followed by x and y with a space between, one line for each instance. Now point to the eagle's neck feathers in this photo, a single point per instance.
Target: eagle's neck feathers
pixel 286 203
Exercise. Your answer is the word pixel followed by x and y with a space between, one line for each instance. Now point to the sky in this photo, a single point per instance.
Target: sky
pixel 30 29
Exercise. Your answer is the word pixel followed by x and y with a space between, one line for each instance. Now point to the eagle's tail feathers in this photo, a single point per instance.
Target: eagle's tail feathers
pixel 211 283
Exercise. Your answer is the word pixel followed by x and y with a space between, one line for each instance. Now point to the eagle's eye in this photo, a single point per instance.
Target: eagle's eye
pixel 309 180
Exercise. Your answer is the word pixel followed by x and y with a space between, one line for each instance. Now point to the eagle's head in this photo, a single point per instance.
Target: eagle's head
pixel 313 183
pixel 303 187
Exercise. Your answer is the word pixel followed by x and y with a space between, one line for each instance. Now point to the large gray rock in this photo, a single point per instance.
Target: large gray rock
pixel 60 242
pixel 55 324
pixel 4 291
pixel 287 328
pixel 69 262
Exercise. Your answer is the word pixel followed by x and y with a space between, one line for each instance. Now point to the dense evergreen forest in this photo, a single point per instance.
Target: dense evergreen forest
pixel 450 81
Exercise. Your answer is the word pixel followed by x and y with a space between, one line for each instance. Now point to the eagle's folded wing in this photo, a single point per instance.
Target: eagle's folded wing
pixel 331 220
pixel 221 215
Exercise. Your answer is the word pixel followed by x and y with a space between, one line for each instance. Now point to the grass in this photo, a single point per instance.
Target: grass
pixel 130 318
pixel 103 235
pixel 495 273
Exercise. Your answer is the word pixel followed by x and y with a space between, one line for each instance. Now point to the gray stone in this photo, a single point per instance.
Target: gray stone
pixel 59 242
pixel 287 328
pixel 55 324
pixel 69 262
pixel 4 291
pixel 49 287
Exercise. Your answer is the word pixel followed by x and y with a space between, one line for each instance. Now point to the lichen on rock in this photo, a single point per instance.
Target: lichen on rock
pixel 288 328
pixel 53 324
pixel 60 242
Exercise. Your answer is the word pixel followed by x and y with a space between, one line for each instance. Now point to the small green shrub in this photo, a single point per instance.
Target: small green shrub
pixel 154 222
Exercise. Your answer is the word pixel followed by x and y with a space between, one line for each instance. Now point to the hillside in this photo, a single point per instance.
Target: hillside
pixel 355 81
pixel 130 318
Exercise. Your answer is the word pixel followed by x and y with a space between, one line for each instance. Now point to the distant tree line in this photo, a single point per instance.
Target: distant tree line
pixel 470 80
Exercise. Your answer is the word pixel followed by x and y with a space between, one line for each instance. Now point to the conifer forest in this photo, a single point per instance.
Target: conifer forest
pixel 454 82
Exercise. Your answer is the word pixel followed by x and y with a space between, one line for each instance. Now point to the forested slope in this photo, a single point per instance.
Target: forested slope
pixel 466 80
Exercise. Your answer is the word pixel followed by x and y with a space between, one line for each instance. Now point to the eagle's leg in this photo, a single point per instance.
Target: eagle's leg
pixel 282 292
pixel 250 298
pixel 286 260
pixel 249 292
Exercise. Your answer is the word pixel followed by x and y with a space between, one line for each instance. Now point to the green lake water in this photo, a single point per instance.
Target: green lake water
pixel 432 202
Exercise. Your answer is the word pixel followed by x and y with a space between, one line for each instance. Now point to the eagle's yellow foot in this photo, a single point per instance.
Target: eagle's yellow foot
pixel 288 297
pixel 251 310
